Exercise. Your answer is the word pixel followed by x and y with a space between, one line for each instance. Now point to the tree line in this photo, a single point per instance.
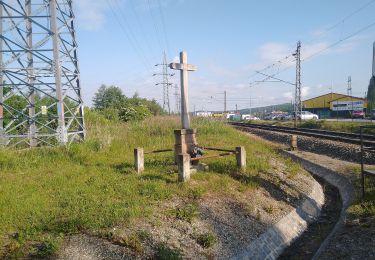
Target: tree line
pixel 114 105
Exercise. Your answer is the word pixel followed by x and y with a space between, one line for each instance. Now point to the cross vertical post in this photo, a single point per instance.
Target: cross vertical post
pixel 184 68
pixel 185 119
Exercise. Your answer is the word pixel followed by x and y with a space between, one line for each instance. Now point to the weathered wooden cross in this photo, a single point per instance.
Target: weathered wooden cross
pixel 184 68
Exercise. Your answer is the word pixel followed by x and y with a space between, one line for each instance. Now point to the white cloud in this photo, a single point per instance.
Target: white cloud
pixel 176 59
pixel 272 51
pixel 305 91
pixel 288 95
pixel 91 14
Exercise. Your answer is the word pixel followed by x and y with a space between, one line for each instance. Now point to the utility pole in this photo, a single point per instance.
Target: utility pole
pixel 349 90
pixel 297 95
pixel 177 98
pixel 349 93
pixel 165 75
pixel 225 102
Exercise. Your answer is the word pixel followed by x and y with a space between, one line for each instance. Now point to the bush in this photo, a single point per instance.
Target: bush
pixel 134 113
pixel 163 252
pixel 206 240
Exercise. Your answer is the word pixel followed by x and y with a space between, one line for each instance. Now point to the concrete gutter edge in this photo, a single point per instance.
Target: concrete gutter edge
pixel 344 186
pixel 272 243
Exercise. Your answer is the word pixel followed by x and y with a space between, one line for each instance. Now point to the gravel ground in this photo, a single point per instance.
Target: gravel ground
pixel 343 151
pixel 236 219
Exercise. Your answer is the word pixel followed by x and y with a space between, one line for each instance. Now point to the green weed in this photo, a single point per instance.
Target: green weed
pixel 163 252
pixel 206 240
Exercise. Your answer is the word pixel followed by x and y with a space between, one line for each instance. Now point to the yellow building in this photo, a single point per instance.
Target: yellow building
pixel 334 104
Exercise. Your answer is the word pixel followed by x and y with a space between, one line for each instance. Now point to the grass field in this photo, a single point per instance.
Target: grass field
pixel 48 193
pixel 339 126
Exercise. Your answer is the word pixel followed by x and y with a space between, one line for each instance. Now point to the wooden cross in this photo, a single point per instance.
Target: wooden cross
pixel 184 68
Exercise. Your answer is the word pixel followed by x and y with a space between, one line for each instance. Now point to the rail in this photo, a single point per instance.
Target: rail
pixel 351 138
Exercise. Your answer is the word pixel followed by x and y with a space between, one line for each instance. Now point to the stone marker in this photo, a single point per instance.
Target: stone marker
pixel 293 143
pixel 241 157
pixel 183 167
pixel 185 137
pixel 139 160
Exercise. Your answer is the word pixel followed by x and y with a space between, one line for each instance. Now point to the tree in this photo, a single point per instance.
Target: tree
pixel 371 95
pixel 108 97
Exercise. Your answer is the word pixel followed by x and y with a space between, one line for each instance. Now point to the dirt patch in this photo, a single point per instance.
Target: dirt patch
pixel 215 225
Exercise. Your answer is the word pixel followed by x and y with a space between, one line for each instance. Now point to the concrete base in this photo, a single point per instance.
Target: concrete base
pixel 185 141
pixel 201 167
pixel 183 167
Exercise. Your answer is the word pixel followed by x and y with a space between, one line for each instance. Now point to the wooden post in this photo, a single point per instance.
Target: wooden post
pixel 293 143
pixel 139 160
pixel 241 157
pixel 183 167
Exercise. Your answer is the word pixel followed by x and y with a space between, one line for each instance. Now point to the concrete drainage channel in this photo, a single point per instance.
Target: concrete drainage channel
pixel 306 231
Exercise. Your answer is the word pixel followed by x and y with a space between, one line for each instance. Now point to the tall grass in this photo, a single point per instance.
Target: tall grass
pixel 47 193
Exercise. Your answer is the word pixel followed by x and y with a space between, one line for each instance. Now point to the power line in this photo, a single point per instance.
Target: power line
pixel 279 62
pixel 341 40
pixel 138 20
pixel 348 16
pixel 164 27
pixel 143 59
pixel 155 25
pixel 253 83
pixel 123 16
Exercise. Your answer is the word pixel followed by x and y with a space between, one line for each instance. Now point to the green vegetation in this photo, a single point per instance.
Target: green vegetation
pixel 114 105
pixel 48 193
pixel 206 240
pixel 163 252
pixel 187 212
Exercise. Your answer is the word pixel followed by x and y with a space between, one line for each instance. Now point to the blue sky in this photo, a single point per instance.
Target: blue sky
pixel 120 41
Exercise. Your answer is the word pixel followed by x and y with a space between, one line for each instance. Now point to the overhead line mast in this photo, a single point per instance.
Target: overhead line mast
pixel 40 92
pixel 165 83
pixel 297 94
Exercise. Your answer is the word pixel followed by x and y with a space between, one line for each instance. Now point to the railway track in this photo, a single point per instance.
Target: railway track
pixel 350 138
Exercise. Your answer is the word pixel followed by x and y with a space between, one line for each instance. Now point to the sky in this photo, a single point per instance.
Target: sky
pixel 120 41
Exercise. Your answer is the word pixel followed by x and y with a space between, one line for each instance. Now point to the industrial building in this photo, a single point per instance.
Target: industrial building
pixel 334 105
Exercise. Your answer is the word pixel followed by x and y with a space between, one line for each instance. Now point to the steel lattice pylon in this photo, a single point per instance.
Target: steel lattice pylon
pixel 40 94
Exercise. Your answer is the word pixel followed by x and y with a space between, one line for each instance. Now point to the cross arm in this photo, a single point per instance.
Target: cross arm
pixel 179 66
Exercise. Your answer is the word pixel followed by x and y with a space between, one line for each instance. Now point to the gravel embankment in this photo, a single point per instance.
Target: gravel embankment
pixel 343 151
